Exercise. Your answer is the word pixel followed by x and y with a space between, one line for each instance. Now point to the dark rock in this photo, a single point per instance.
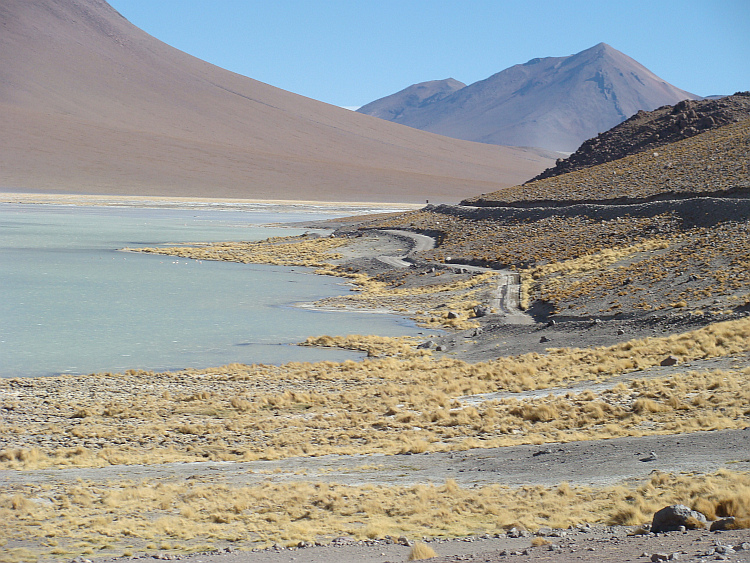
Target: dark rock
pixel 544 339
pixel 670 518
pixel 402 540
pixel 665 557
pixel 481 311
pixel 343 540
pixel 669 361
pixel 516 533
pixel 723 524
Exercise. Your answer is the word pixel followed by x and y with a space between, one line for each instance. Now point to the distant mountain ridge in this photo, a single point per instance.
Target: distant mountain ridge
pixel 415 96
pixel 554 103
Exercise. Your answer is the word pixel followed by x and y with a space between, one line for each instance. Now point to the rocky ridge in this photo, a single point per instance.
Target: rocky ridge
pixel 712 163
pixel 646 131
pixel 645 237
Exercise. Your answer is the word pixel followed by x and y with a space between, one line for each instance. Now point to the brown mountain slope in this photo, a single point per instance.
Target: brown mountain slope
pixel 89 103
pixel 552 102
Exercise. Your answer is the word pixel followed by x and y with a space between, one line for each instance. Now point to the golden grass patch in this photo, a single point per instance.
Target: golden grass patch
pixel 375 346
pixel 302 250
pixel 411 403
pixel 179 517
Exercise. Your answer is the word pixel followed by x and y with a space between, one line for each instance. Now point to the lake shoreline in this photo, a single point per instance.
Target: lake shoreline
pixel 166 202
pixel 73 303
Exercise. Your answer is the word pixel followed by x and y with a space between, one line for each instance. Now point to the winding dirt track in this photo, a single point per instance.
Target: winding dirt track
pixel 505 300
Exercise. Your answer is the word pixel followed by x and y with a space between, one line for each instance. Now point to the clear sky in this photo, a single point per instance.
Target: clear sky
pixel 349 53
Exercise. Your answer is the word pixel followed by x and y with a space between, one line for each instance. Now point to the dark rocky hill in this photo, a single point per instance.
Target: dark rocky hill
pixel 555 102
pixel 650 130
pixel 710 164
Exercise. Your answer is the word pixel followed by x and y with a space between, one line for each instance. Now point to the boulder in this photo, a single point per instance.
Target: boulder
pixel 669 361
pixel 673 518
pixel 481 311
pixel 730 523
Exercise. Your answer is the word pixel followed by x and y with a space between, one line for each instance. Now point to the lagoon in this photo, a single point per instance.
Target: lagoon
pixel 72 303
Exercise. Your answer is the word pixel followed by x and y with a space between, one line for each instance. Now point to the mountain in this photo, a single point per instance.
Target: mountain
pixel 554 102
pixel 416 96
pixel 89 103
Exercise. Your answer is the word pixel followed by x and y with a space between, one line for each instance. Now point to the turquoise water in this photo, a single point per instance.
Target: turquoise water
pixel 72 303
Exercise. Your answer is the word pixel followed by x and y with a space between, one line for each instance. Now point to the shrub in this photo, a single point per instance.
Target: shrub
pixel 421 551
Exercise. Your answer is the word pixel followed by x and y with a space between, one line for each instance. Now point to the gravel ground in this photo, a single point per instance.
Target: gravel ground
pixel 582 545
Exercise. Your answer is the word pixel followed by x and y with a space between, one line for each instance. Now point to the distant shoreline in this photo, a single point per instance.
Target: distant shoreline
pixel 167 202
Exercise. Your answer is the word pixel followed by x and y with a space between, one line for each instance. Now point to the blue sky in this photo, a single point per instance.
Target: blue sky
pixel 349 53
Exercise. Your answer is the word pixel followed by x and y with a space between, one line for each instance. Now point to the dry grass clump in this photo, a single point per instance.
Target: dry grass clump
pixel 375 346
pixel 72 519
pixel 302 250
pixel 421 551
pixel 539 542
pixel 379 405
pixel 710 162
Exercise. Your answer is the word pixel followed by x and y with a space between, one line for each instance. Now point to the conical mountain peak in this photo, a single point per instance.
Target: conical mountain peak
pixel 551 102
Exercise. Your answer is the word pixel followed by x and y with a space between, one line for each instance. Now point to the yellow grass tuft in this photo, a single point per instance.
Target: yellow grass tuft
pixel 421 551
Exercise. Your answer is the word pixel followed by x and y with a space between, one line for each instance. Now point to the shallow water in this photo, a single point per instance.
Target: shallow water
pixel 72 303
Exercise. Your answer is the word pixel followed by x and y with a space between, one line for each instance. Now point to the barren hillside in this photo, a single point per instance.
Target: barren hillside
pixel 92 104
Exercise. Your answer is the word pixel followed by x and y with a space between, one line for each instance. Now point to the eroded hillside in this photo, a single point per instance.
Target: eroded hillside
pixel 653 233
